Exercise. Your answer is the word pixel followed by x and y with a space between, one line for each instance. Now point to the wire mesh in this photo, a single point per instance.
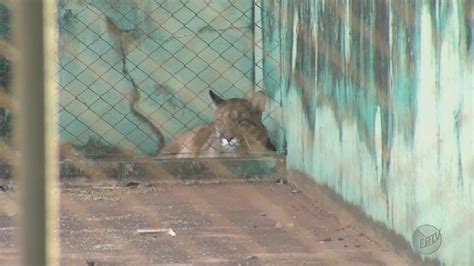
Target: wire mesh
pixel 175 52
pixel 174 68
pixel 5 99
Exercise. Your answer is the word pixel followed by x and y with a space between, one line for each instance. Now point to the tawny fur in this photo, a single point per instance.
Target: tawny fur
pixel 237 130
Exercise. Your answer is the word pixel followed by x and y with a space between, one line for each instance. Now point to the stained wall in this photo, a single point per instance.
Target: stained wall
pixel 378 100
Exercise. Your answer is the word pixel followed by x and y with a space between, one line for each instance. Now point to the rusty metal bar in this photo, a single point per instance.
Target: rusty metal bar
pixel 34 29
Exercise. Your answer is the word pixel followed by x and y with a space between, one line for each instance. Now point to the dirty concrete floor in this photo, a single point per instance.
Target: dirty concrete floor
pixel 234 223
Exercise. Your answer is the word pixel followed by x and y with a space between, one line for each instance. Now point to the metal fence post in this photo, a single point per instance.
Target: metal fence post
pixel 36 172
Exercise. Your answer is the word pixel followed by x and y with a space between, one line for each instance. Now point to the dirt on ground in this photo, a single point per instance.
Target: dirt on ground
pixel 231 223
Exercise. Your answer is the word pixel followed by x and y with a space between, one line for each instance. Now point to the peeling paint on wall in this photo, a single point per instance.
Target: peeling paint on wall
pixel 378 105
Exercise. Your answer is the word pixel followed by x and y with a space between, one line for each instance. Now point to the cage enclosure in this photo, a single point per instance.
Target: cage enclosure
pixel 135 86
pixel 364 107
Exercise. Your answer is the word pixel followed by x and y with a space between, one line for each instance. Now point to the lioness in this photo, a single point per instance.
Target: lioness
pixel 237 130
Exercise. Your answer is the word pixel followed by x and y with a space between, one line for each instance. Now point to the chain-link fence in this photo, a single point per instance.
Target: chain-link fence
pixel 5 102
pixel 174 52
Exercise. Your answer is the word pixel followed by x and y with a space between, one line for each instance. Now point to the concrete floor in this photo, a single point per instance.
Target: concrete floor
pixel 232 223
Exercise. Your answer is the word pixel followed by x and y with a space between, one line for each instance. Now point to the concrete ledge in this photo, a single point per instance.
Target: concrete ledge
pixel 173 170
pixel 351 214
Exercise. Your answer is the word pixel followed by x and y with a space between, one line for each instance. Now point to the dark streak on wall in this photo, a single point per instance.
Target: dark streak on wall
pixel 377 97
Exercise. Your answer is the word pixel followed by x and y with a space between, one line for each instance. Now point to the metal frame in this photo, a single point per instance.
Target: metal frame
pixel 36 172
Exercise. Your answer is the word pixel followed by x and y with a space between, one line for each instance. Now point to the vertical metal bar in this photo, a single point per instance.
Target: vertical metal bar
pixel 36 172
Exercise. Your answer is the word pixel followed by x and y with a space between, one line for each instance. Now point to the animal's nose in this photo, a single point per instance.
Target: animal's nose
pixel 228 137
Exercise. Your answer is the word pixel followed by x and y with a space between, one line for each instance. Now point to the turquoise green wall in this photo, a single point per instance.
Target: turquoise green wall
pixel 176 52
pixel 378 105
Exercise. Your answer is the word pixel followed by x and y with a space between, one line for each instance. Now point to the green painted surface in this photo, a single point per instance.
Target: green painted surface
pixel 176 52
pixel 378 101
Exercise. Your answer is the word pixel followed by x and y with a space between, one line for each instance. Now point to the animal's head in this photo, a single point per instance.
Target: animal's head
pixel 238 125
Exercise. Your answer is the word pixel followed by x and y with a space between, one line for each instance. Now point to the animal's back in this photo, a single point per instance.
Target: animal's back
pixel 191 143
pixel 237 130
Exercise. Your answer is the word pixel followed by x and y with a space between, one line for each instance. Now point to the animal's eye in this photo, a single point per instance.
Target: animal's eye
pixel 242 122
pixel 245 122
pixel 219 124
pixel 244 115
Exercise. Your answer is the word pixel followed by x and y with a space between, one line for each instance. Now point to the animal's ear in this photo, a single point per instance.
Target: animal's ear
pixel 216 100
pixel 258 100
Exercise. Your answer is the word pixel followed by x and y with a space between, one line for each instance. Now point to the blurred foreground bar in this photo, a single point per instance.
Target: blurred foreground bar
pixel 36 172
